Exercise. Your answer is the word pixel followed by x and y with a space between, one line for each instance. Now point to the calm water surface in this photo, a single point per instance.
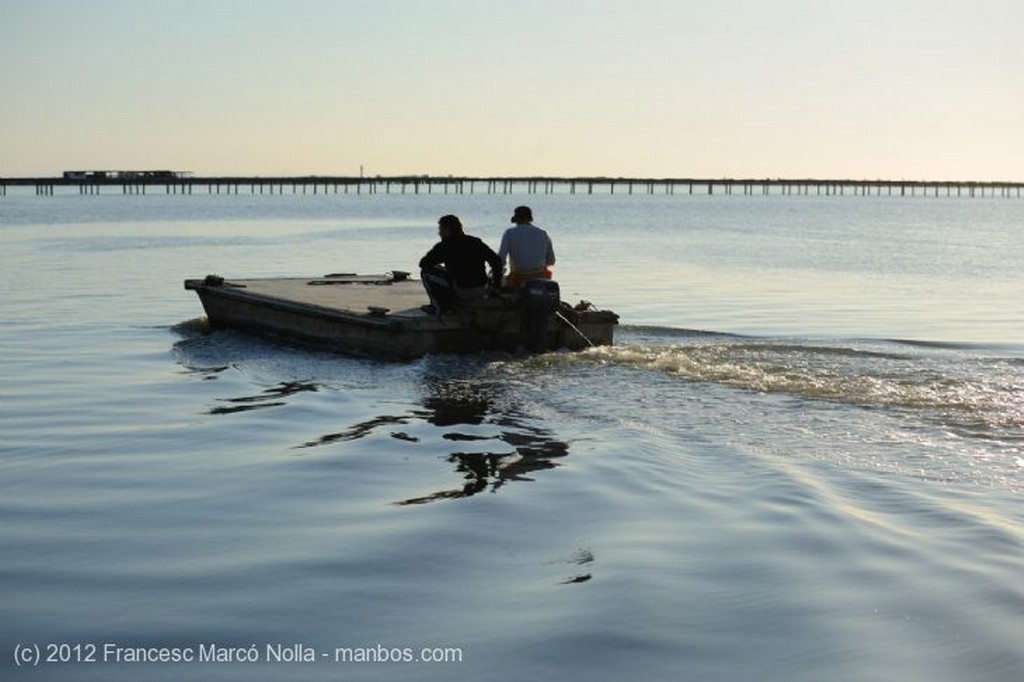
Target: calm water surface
pixel 803 459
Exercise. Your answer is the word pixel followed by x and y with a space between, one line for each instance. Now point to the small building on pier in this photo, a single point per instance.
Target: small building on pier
pixel 124 175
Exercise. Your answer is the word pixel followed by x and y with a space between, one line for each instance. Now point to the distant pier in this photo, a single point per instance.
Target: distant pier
pixel 167 182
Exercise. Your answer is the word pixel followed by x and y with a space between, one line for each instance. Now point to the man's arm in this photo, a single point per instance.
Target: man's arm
pixel 503 249
pixel 492 259
pixel 434 257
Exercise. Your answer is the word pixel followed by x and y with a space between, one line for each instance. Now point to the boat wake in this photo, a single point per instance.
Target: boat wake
pixel 960 389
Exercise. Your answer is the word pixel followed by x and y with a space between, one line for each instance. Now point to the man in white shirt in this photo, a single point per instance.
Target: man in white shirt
pixel 528 249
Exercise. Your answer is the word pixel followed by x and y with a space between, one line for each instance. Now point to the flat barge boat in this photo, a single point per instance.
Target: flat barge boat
pixel 385 316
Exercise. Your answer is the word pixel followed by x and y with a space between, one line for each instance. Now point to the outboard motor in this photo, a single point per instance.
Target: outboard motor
pixel 540 299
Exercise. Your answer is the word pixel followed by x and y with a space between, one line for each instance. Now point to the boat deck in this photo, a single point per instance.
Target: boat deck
pixel 355 294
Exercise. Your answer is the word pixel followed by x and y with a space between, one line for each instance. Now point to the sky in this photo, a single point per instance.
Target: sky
pixel 868 89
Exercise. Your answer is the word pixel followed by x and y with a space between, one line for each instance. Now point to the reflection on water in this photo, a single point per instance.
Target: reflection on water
pixel 359 430
pixel 264 399
pixel 533 449
pixel 519 448
pixel 467 414
pixel 508 445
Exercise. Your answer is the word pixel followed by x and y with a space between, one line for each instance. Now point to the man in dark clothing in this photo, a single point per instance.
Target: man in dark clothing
pixel 454 269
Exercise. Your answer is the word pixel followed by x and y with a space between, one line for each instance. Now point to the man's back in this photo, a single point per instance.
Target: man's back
pixel 527 248
pixel 465 257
